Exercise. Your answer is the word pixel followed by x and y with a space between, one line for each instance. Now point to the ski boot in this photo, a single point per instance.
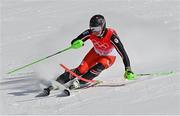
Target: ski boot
pixel 74 84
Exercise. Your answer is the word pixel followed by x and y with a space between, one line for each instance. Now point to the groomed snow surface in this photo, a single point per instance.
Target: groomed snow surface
pixel 32 29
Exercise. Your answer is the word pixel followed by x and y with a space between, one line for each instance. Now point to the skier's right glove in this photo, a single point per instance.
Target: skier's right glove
pixel 129 74
pixel 77 44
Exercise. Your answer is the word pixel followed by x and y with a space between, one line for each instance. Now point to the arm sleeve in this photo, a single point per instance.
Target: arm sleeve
pixel 120 49
pixel 83 36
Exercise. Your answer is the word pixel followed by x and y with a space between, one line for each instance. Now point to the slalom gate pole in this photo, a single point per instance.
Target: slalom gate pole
pixel 79 77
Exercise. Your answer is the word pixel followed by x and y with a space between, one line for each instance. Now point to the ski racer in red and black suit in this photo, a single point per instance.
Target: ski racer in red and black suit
pixel 106 45
pixel 102 55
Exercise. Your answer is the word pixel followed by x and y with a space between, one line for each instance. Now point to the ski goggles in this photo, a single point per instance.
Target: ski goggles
pixel 96 29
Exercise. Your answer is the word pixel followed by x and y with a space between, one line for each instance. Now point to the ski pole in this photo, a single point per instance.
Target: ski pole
pixel 27 65
pixel 155 74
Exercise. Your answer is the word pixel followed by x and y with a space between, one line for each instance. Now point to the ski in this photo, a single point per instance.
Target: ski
pixel 62 93
pixel 122 82
pixel 62 90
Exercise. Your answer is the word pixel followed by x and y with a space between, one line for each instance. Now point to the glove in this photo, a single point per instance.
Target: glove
pixel 77 44
pixel 129 74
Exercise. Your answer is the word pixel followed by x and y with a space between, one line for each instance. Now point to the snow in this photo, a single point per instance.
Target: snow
pixel 33 29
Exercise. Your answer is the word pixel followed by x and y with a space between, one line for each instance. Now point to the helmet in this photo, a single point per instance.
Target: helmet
pixel 97 25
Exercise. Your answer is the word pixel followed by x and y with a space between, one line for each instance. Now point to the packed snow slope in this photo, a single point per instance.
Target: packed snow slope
pixel 32 29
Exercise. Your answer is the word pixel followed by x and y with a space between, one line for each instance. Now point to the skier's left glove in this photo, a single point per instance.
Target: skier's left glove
pixel 129 74
pixel 77 44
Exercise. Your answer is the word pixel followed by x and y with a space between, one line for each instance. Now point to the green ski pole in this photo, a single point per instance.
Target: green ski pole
pixel 156 74
pixel 27 65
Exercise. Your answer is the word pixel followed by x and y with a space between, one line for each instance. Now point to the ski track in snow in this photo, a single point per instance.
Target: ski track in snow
pixel 83 97
pixel 149 30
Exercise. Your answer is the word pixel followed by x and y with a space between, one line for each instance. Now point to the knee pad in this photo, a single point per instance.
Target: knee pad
pixel 83 67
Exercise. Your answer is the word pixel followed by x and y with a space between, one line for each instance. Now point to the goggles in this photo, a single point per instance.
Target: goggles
pixel 96 29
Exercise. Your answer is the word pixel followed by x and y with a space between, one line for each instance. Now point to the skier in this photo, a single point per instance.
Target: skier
pixel 106 44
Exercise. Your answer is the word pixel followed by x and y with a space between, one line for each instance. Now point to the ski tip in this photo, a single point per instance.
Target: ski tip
pixel 67 92
pixel 40 95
